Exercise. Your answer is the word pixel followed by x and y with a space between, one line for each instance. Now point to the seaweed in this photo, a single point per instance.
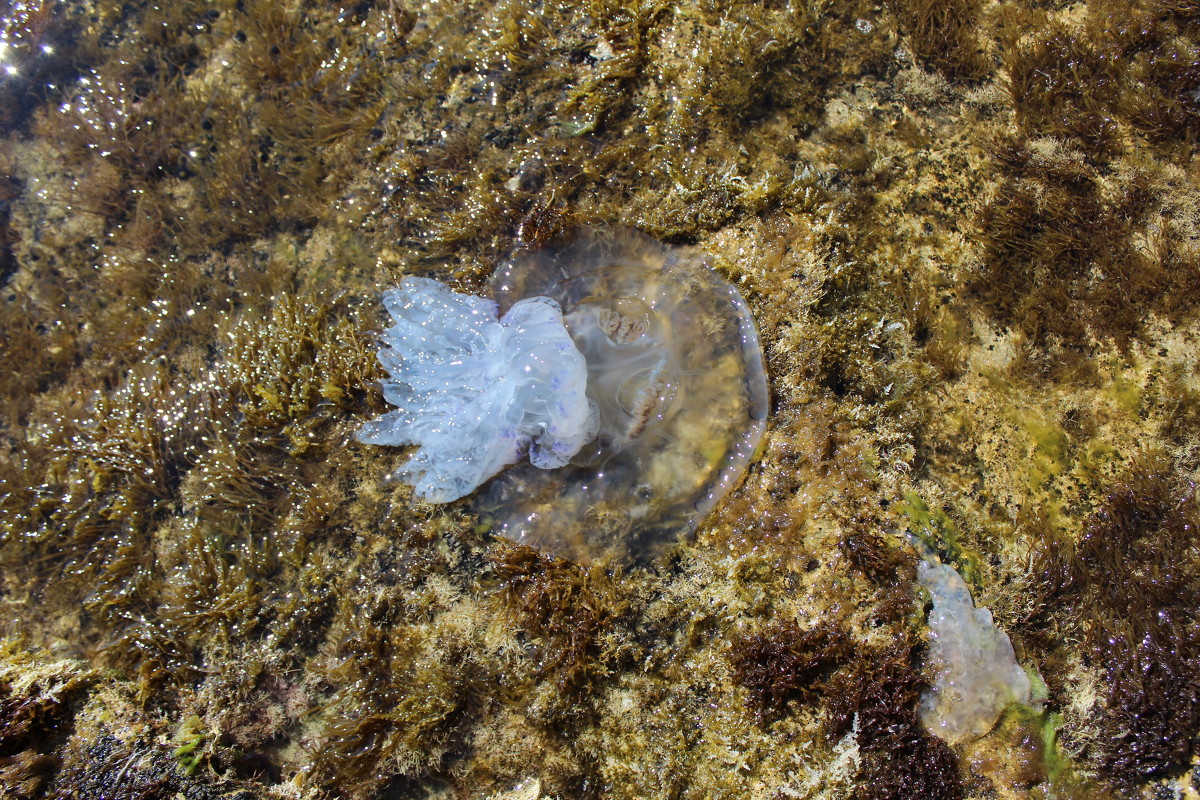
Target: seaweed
pixel 879 691
pixel 401 703
pixel 181 498
pixel 1135 64
pixel 563 609
pixel 1137 551
pixel 1061 86
pixel 36 348
pixel 296 363
pixel 39 699
pixel 937 531
pixel 1056 249
pixel 1023 754
pixel 137 770
pixel 892 569
pixel 882 562
pixel 784 663
pixel 944 35
pixel 1064 257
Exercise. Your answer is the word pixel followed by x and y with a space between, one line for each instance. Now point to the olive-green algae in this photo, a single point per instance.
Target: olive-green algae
pixel 967 232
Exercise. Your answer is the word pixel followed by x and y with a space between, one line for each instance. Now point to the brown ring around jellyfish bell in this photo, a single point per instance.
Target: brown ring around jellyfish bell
pixel 676 369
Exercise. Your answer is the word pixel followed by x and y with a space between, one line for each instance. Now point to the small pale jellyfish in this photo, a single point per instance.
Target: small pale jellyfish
pixel 976 674
pixel 674 407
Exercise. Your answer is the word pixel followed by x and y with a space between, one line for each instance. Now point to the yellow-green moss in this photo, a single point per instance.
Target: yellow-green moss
pixel 967 233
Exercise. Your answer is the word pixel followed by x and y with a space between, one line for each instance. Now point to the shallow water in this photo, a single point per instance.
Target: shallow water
pixel 968 238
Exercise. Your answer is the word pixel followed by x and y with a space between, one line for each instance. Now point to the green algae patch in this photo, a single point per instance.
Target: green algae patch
pixel 1050 448
pixel 190 750
pixel 1126 393
pixel 930 208
pixel 1022 757
pixel 935 528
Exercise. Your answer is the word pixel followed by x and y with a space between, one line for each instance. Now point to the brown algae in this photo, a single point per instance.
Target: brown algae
pixel 967 232
pixel 675 367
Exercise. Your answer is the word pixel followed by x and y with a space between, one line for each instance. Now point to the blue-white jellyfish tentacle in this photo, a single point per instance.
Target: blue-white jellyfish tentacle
pixel 477 393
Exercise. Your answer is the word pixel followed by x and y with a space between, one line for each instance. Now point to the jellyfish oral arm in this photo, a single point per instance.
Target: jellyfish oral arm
pixel 476 393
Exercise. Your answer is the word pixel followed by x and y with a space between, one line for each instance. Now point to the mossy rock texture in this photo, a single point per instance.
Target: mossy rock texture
pixel 969 233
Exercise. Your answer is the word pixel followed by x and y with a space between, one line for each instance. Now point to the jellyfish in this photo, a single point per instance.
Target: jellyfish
pixel 671 411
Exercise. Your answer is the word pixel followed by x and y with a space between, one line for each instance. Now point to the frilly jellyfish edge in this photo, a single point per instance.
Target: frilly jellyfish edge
pixel 477 393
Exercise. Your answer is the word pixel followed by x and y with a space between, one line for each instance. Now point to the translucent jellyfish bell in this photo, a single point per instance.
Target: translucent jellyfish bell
pixel 675 369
